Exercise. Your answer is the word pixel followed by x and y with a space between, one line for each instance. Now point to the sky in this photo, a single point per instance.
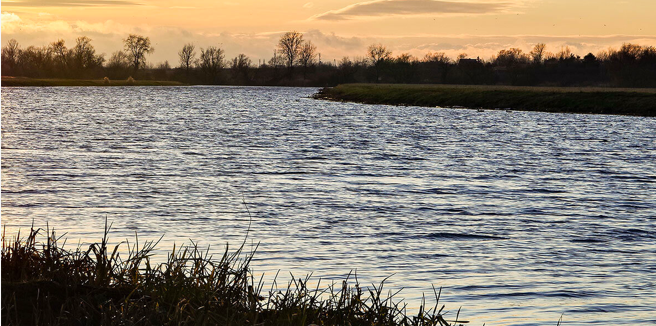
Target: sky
pixel 479 28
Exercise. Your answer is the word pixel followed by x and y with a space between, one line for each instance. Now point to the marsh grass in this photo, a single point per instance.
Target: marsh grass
pixel 597 100
pixel 45 284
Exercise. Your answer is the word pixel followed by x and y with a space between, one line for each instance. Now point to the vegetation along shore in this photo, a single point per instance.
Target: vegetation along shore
pixel 632 101
pixel 24 81
pixel 45 284
pixel 296 62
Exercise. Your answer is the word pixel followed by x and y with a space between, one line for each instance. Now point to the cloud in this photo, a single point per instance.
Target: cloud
pixel 308 5
pixel 334 41
pixel 68 3
pixel 382 8
pixel 9 18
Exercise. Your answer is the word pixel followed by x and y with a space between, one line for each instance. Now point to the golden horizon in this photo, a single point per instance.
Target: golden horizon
pixel 340 28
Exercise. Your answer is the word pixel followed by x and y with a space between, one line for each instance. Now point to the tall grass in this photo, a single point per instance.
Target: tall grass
pixel 45 284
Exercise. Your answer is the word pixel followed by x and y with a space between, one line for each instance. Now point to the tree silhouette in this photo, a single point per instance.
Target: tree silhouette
pixel 511 57
pixel 538 53
pixel 438 63
pixel 187 56
pixel 290 46
pixel 632 65
pixel 306 56
pixel 240 67
pixel 404 66
pixel 118 65
pixel 211 62
pixel 565 54
pixel 84 56
pixel 60 55
pixel 378 54
pixel 10 55
pixel 137 47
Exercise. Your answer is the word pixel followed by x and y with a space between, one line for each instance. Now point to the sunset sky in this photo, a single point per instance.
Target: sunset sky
pixel 339 28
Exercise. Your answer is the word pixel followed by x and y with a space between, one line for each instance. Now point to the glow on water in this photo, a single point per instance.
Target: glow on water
pixel 519 216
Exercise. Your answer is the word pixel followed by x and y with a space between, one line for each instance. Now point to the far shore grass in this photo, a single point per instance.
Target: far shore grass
pixel 24 81
pixel 595 100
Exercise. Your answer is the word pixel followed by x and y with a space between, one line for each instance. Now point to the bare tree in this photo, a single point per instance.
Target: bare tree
pixel 241 62
pixel 538 53
pixel 84 54
pixel 306 56
pixel 211 62
pixel 137 47
pixel 240 66
pixel 161 70
pixel 405 58
pixel 10 55
pixel 378 54
pixel 187 55
pixel 437 57
pixel 119 59
pixel 439 64
pixel 60 53
pixel 10 51
pixel 347 69
pixel 565 54
pixel 404 68
pixel 118 65
pixel 511 57
pixel 290 46
pixel 277 60
pixel 164 65
pixel 35 61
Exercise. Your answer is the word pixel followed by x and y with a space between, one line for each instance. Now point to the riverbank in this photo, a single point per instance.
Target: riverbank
pixel 595 100
pixel 42 283
pixel 23 81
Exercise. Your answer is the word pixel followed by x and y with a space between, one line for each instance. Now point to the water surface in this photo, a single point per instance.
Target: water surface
pixel 520 216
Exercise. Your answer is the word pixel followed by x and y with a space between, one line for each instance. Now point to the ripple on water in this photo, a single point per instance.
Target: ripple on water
pixel 520 217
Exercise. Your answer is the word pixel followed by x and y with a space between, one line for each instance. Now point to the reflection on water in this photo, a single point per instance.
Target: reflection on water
pixel 520 216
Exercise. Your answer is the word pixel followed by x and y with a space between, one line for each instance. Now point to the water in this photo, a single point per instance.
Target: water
pixel 519 216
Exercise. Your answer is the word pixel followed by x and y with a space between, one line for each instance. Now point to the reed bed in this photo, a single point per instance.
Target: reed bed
pixel 45 284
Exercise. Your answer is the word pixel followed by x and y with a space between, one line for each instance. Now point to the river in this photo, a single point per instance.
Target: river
pixel 520 217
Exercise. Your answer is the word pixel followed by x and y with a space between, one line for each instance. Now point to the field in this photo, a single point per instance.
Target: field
pixel 596 100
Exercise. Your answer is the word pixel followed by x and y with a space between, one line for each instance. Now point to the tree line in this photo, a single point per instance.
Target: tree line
pixel 296 62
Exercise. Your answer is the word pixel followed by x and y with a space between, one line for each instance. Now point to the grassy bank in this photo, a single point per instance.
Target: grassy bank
pixel 632 101
pixel 44 284
pixel 22 81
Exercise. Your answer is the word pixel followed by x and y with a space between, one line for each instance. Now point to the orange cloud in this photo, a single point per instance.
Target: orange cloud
pixel 68 3
pixel 382 8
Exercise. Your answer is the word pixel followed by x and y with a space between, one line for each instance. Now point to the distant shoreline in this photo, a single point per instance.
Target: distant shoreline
pixel 24 81
pixel 588 100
